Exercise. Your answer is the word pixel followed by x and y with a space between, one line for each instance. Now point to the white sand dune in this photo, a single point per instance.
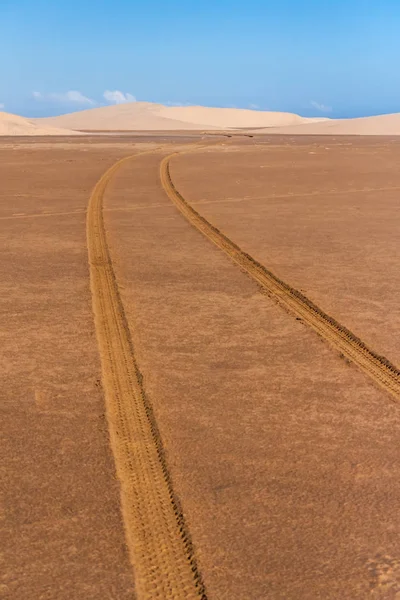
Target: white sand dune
pixel 14 125
pixel 380 125
pixel 134 116
pixel 230 118
pixel 145 116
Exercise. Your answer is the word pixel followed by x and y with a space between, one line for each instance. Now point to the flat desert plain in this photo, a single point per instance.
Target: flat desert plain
pixel 320 213
pixel 62 530
pixel 282 453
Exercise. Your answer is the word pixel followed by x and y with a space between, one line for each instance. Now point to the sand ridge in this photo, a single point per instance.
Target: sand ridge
pixel 231 118
pixel 378 125
pixel 134 116
pixel 15 125
pixel 147 116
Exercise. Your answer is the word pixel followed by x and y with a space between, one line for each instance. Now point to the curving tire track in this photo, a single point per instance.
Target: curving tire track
pixel 375 366
pixel 159 545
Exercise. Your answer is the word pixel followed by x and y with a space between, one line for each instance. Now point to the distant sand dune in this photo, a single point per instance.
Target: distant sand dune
pixel 135 116
pixel 380 125
pixel 145 116
pixel 19 126
pixel 226 118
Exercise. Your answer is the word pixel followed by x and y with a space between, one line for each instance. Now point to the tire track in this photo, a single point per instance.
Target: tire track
pixel 375 366
pixel 159 545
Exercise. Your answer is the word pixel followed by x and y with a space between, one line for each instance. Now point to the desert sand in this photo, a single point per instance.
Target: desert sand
pixel 149 117
pixel 281 452
pixel 228 118
pixel 379 125
pixel 134 116
pixel 15 125
pixel 283 455
pixel 146 116
pixel 62 536
pixel 319 212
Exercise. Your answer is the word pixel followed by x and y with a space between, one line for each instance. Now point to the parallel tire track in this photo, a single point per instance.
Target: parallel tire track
pixel 375 366
pixel 160 548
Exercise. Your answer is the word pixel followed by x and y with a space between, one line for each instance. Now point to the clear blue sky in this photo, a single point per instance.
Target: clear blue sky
pixel 335 57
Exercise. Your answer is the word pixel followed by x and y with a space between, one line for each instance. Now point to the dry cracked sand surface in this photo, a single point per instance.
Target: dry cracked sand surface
pixel 283 455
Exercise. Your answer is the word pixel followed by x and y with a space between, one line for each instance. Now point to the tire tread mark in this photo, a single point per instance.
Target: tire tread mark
pixel 160 547
pixel 379 368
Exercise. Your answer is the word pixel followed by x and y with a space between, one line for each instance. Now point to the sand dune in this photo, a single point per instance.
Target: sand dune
pixel 380 125
pixel 146 116
pixel 135 116
pixel 15 125
pixel 227 118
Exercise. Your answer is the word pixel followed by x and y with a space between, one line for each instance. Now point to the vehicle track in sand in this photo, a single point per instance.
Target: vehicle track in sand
pixel 159 545
pixel 349 345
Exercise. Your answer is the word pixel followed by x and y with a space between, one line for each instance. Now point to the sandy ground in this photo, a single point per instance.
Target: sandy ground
pixel 320 214
pixel 62 535
pixel 283 455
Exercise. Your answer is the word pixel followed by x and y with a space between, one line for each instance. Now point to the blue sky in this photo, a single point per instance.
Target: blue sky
pixel 338 58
